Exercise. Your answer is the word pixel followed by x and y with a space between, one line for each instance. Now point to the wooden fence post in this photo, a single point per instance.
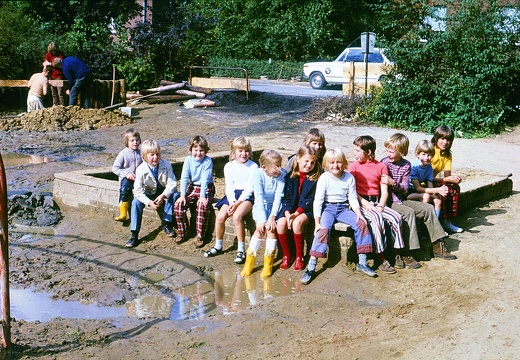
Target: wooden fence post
pixel 4 261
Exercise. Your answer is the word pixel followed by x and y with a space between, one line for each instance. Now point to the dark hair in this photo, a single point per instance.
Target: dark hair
pixel 198 141
pixel 444 132
pixel 366 142
pixel 53 49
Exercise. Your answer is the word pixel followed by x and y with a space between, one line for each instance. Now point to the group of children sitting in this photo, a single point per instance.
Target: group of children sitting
pixel 379 200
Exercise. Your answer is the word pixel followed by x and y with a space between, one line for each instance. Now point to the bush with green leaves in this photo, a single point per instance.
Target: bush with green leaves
pixel 274 70
pixel 465 76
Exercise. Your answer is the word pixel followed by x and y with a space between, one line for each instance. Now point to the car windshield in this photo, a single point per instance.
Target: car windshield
pixel 357 56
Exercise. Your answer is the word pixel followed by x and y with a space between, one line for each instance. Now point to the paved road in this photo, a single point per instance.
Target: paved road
pixel 292 88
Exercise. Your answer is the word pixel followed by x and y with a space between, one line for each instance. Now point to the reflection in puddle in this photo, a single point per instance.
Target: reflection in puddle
pixel 229 293
pixel 19 159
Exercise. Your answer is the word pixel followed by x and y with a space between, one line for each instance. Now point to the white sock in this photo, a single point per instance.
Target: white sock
pixel 218 244
pixel 254 244
pixel 270 244
pixel 241 246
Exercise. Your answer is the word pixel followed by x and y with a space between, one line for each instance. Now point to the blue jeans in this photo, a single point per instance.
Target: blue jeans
pixel 125 189
pixel 81 86
pixel 340 212
pixel 165 211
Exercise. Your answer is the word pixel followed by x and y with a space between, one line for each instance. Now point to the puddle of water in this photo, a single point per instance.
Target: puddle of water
pixel 19 159
pixel 229 293
pixel 38 306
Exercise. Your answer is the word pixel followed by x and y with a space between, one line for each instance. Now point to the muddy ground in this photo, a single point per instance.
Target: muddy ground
pixel 467 308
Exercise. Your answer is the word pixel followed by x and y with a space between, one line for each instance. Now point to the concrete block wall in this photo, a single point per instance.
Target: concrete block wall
pixel 94 188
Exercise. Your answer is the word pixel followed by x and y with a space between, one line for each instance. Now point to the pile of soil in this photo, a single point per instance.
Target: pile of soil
pixel 64 118
pixel 32 210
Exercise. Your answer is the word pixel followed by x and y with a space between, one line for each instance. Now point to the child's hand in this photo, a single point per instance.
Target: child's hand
pixel 360 217
pixel 290 217
pixel 367 205
pixel 181 201
pixel 317 228
pixel 271 224
pixel 454 179
pixel 203 201
pixel 152 205
pixel 130 176
pixel 387 180
pixel 260 227
pixel 443 190
pixel 232 207
pixel 159 200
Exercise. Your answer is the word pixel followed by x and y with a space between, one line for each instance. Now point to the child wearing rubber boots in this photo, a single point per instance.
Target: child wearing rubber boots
pixel 268 188
pixel 124 167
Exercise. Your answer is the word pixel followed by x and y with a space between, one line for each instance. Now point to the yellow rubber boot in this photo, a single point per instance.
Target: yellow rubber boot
pixel 123 211
pixel 267 271
pixel 249 265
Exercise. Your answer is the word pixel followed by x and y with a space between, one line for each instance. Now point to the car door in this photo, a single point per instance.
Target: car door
pixel 334 72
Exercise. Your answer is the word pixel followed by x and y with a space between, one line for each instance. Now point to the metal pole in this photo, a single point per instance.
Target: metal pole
pixel 4 261
pixel 367 49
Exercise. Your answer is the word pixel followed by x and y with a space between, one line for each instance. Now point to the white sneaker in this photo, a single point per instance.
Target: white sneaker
pixel 449 227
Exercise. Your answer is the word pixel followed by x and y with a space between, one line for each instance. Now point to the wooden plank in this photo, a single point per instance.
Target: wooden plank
pixel 14 83
pixel 58 82
pixel 221 83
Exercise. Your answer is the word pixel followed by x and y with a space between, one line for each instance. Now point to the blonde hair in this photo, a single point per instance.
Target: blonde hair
pixel 199 141
pixel 398 142
pixel 131 133
pixel 315 134
pixel 270 158
pixel 149 147
pixel 240 142
pixel 334 154
pixel 314 174
pixel 425 146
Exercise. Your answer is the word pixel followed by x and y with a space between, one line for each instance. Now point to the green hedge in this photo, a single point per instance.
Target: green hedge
pixel 283 70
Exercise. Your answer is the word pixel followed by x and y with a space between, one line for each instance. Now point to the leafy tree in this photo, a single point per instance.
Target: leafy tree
pixel 80 27
pixel 279 29
pixel 465 76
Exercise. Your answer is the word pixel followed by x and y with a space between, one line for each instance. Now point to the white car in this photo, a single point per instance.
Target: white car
pixel 340 71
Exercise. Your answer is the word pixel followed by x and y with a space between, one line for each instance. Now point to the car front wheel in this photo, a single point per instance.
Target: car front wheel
pixel 317 81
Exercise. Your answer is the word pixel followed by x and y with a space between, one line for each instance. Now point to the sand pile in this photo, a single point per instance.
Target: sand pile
pixel 64 118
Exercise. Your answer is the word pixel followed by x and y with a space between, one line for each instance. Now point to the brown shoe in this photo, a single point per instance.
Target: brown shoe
pixel 399 263
pixel 178 239
pixel 199 242
pixel 410 262
pixel 387 268
pixel 440 251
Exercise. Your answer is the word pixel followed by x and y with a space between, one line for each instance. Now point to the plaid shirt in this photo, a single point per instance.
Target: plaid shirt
pixel 400 172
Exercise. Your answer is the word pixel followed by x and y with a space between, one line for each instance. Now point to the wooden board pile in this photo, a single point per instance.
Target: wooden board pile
pixel 169 91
